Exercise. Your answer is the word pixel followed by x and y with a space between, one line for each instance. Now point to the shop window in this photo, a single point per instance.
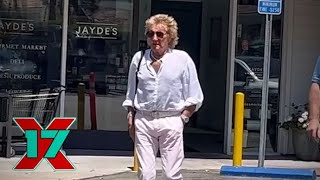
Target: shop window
pixel 30 44
pixel 99 44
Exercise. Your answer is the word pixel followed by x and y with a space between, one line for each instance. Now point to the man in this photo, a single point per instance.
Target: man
pixel 314 103
pixel 245 48
pixel 168 92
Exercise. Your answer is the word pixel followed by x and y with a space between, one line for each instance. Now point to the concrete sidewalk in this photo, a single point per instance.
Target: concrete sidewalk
pixel 187 175
pixel 102 167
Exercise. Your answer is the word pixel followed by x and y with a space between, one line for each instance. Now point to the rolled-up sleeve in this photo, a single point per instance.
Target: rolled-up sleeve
pixel 316 72
pixel 129 101
pixel 191 89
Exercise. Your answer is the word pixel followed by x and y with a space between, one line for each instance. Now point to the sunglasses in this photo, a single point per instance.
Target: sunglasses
pixel 159 34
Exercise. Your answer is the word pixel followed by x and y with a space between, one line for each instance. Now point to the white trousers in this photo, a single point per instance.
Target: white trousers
pixel 164 134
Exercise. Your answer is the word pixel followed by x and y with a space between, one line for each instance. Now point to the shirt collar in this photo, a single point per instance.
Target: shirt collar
pixel 164 57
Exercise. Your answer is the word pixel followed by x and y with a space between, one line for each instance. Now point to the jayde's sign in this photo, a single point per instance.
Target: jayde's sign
pixel 96 30
pixel 16 26
pixel 44 143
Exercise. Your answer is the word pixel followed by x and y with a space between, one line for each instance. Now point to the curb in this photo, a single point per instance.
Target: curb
pixel 269 172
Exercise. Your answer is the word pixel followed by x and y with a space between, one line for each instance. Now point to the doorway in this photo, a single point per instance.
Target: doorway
pixel 202 29
pixel 188 17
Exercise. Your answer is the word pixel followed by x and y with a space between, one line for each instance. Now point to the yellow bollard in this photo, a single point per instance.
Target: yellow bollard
pixel 81 103
pixel 135 161
pixel 238 130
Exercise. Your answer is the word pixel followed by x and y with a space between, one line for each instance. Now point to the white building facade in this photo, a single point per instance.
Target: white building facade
pixel 223 38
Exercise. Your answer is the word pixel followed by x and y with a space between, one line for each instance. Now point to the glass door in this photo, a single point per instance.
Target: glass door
pixel 248 74
pixel 99 56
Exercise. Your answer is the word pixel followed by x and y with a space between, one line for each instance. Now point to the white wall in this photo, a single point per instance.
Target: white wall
pixel 306 47
pixel 301 47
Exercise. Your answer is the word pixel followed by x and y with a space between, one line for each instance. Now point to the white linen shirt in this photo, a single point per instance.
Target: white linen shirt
pixel 173 88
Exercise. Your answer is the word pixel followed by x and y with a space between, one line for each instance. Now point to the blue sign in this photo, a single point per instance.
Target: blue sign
pixel 272 7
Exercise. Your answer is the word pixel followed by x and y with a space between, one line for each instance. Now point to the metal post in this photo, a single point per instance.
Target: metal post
pixel 229 99
pixel 64 54
pixel 9 151
pixel 264 103
pixel 135 161
pixel 92 96
pixel 238 130
pixel 81 104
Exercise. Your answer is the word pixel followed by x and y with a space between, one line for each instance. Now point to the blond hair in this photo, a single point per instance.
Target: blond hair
pixel 167 21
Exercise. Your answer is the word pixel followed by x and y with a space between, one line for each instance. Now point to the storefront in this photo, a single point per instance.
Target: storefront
pixel 99 39
pixel 225 39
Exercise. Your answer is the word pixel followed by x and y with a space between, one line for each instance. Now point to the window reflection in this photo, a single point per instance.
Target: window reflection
pixel 30 44
pixel 99 43
pixel 248 72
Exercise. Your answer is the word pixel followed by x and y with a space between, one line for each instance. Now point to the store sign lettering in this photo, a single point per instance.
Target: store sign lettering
pixel 16 26
pixel 20 76
pixel 33 47
pixel 93 30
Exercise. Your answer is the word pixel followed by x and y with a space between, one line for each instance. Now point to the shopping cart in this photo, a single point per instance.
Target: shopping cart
pixel 42 106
